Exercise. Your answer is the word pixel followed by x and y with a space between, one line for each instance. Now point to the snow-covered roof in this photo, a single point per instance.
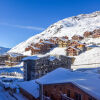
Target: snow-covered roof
pixel 93 46
pixel 77 49
pixel 47 42
pixel 90 83
pixel 31 87
pixel 31 58
pixel 14 54
pixel 35 48
pixel 51 58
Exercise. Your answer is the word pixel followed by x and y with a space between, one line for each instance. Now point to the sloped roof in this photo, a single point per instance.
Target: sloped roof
pixel 31 58
pixel 90 83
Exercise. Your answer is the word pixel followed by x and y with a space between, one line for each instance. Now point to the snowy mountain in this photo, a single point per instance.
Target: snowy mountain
pixel 3 50
pixel 69 26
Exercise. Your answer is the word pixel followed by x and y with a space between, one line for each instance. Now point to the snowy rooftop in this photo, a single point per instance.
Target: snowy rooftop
pixel 51 58
pixel 14 54
pixel 31 58
pixel 83 80
pixel 93 46
pixel 31 87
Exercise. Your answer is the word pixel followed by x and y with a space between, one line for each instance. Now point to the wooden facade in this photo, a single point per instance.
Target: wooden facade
pixel 71 51
pixel 87 34
pixel 3 58
pixel 77 37
pixel 27 95
pixel 62 43
pixel 65 91
pixel 14 60
pixel 96 35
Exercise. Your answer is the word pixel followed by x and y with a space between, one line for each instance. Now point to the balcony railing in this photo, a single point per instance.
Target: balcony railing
pixel 65 97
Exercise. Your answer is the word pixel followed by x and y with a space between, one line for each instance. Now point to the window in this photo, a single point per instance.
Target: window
pixel 89 98
pixel 68 93
pixel 46 93
pixel 78 96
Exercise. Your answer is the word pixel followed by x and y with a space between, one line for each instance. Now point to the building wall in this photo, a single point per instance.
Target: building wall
pixel 34 69
pixel 27 95
pixel 54 91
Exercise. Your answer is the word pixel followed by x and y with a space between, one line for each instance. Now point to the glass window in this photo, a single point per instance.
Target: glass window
pixel 78 96
pixel 89 98
pixel 68 93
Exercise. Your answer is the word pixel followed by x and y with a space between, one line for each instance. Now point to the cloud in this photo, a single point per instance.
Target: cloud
pixel 24 27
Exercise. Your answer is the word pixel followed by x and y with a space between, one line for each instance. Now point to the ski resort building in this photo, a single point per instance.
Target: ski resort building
pixel 87 34
pixel 77 37
pixel 63 84
pixel 3 58
pixel 72 51
pixel 35 67
pixel 14 59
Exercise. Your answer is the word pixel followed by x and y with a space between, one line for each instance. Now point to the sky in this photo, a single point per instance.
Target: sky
pixel 21 19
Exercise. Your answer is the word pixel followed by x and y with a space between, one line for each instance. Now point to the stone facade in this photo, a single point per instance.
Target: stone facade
pixel 35 68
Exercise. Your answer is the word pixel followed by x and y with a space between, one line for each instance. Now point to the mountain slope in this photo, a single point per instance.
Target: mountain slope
pixel 3 50
pixel 69 26
pixel 88 59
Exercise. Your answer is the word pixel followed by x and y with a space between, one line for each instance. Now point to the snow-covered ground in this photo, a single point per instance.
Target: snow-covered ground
pixel 88 59
pixel 57 51
pixel 4 95
pixel 91 41
pixel 14 73
pixel 69 26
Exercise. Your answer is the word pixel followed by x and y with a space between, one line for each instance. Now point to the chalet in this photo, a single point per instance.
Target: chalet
pixel 87 34
pixel 72 51
pixel 77 37
pixel 62 84
pixel 54 40
pixel 74 43
pixel 3 58
pixel 79 45
pixel 28 48
pixel 35 66
pixel 96 31
pixel 39 45
pixel 48 44
pixel 35 50
pixel 40 48
pixel 14 59
pixel 66 37
pixel 62 43
pixel 96 35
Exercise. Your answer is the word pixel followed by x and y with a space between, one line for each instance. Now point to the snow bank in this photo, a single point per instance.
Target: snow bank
pixel 88 59
pixel 57 51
